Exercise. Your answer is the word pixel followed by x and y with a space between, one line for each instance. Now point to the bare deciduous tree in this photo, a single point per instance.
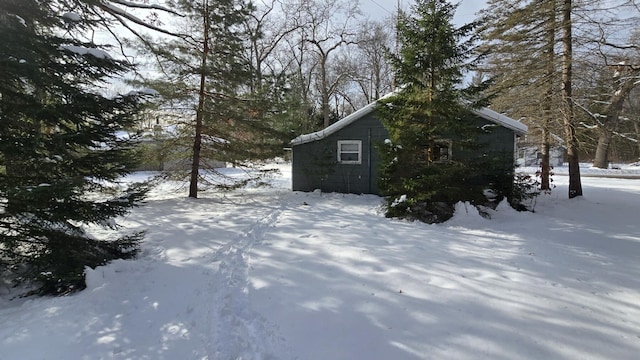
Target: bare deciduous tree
pixel 329 25
pixel 612 61
pixel 373 74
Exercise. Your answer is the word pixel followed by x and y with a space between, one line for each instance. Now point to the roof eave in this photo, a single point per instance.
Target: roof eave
pixel 335 127
pixel 503 120
pixel 519 128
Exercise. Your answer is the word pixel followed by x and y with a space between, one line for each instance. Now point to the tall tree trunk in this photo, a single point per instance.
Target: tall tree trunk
pixel 601 159
pixel 325 92
pixel 545 182
pixel 545 166
pixel 636 126
pixel 612 112
pixel 575 184
pixel 197 140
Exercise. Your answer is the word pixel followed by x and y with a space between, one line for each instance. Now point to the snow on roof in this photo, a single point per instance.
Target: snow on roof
pixel 341 124
pixel 500 119
pixel 485 113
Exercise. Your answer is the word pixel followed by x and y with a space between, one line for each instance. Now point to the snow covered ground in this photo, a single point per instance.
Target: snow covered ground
pixel 631 171
pixel 275 274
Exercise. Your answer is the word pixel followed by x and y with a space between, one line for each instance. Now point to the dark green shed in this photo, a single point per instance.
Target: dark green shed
pixel 343 157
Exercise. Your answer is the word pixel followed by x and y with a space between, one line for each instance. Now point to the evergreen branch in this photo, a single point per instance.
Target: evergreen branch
pixel 124 23
pixel 121 14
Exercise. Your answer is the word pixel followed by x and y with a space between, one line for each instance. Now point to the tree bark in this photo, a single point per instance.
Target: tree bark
pixel 575 184
pixel 545 166
pixel 545 181
pixel 613 110
pixel 636 126
pixel 324 90
pixel 601 159
pixel 197 139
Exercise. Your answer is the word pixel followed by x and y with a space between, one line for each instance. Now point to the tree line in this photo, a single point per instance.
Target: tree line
pixel 568 69
pixel 252 76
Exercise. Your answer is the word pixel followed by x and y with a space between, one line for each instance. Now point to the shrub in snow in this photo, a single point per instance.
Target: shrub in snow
pixel 525 191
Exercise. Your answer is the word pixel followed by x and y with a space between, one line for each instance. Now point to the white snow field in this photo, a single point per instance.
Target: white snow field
pixel 274 274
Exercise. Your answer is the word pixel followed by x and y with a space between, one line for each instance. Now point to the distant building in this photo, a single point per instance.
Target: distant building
pixel 530 155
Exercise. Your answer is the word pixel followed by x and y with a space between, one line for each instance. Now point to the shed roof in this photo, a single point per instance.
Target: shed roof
pixel 485 113
pixel 500 119
pixel 338 125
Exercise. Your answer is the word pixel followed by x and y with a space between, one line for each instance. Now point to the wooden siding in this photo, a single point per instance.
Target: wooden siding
pixel 315 164
pixel 497 138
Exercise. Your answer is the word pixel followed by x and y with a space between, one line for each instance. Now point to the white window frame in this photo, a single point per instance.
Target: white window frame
pixel 349 142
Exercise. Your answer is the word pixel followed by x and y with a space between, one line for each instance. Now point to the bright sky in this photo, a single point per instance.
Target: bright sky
pixel 381 8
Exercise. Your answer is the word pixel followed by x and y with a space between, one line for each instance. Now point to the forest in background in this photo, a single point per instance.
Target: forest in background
pixel 323 59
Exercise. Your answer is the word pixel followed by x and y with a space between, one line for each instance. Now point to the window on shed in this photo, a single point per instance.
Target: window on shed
pixel 349 151
pixel 442 151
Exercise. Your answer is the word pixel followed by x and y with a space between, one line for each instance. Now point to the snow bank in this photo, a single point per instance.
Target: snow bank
pixel 464 212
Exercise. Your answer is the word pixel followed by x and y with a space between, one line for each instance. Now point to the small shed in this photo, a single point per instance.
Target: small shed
pixel 343 157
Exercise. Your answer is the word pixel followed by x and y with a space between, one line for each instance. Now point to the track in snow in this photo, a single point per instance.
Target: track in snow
pixel 238 332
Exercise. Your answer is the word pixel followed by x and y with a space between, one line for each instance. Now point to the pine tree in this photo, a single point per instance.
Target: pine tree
pixel 207 75
pixel 60 156
pixel 521 38
pixel 525 37
pixel 428 117
pixel 568 112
